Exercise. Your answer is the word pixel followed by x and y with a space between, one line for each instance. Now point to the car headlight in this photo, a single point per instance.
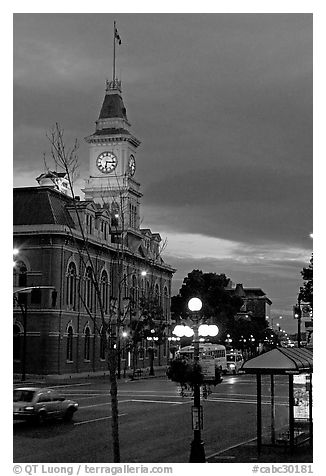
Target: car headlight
pixel 29 408
pixel 232 366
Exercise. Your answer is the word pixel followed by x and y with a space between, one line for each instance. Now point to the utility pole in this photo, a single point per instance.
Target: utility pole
pixel 299 320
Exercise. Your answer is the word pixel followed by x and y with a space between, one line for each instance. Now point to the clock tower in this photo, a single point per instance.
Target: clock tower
pixel 112 161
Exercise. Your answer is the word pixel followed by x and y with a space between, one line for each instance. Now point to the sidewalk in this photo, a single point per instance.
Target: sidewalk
pixel 52 379
pixel 247 453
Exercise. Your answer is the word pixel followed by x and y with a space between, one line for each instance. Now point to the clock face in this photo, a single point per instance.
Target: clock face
pixel 106 162
pixel 131 165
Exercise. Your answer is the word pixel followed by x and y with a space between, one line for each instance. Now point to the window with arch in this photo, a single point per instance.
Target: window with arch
pixel 157 294
pixel 134 291
pixel 166 302
pixel 142 287
pixel 71 280
pixel 70 336
pixel 104 286
pixel 102 343
pixel 87 343
pixel 115 214
pixel 147 288
pixel 125 286
pixel 20 274
pixel 88 288
pixel 16 343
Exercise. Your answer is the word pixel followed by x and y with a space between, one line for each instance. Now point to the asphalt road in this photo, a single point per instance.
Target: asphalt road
pixel 155 422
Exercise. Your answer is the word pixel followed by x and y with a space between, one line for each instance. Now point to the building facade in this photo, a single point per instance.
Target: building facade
pixel 256 305
pixel 84 268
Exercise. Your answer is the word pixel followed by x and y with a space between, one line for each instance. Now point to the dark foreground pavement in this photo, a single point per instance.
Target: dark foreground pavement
pixel 247 453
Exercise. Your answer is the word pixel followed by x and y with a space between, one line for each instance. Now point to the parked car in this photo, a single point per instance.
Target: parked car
pixel 40 404
pixel 234 361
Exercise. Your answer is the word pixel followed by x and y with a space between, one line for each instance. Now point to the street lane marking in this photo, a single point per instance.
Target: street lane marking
pixel 224 400
pixel 71 385
pixel 158 401
pixel 231 447
pixel 97 419
pixel 102 404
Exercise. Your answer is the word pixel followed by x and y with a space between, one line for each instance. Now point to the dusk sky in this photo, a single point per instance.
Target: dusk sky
pixel 222 104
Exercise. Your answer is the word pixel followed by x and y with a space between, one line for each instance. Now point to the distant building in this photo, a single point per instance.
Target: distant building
pixel 56 334
pixel 256 305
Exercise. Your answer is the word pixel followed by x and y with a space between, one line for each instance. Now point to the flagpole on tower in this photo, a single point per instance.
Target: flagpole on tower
pixel 114 35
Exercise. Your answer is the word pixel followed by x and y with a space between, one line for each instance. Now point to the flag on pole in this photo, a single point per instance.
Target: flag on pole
pixel 117 36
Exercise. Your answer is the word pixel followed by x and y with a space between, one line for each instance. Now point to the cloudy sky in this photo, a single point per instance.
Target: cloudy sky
pixel 223 106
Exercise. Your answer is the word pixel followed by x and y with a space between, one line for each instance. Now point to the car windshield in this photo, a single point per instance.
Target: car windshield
pixel 23 395
pixel 230 358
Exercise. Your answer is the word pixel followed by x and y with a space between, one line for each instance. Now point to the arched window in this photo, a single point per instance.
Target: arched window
pixel 70 334
pixel 133 291
pixel 104 290
pixel 157 294
pixel 71 286
pixel 102 343
pixel 147 288
pixel 142 287
pixel 88 290
pixel 16 343
pixel 166 302
pixel 87 343
pixel 125 286
pixel 20 274
pixel 115 214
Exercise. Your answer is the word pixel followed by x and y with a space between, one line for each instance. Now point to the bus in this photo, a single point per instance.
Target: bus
pixel 206 350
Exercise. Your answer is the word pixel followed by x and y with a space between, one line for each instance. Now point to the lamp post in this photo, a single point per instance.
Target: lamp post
pixel 197 452
pixel 299 320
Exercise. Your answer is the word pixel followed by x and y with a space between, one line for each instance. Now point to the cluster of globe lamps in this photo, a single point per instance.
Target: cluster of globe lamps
pixel 204 330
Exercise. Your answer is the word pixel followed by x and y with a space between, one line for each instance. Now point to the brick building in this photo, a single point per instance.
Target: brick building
pixel 57 321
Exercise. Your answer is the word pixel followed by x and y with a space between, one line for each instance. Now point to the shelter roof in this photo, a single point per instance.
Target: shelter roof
pixel 281 361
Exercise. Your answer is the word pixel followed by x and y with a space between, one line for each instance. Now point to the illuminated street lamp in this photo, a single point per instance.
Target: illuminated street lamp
pixel 197 452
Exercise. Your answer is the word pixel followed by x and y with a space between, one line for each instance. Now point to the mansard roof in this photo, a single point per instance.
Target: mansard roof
pixel 113 107
pixel 40 206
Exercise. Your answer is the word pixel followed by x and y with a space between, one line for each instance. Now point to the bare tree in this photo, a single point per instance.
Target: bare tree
pixel 67 160
pixel 125 265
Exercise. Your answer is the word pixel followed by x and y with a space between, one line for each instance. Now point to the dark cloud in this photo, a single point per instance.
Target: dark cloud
pixel 244 203
pixel 221 102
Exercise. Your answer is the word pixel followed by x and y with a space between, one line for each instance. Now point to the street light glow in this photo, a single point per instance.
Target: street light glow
pixel 194 304
pixel 143 273
pixel 206 330
pixel 15 251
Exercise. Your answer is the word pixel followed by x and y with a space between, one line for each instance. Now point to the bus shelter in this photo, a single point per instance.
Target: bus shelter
pixel 296 367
